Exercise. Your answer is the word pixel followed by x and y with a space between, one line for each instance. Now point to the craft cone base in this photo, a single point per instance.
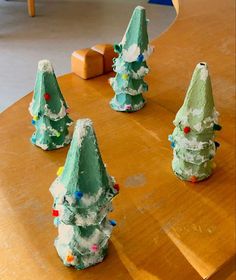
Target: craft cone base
pixel 199 179
pixel 49 148
pixel 81 266
pixel 120 102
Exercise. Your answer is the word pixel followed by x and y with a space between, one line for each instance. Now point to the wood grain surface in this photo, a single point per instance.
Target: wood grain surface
pixel 167 229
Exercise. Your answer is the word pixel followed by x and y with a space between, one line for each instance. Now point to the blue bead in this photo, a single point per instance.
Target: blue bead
pixel 112 222
pixel 172 145
pixel 56 221
pixel 78 194
pixel 140 58
pixel 33 122
pixel 170 138
pixel 33 140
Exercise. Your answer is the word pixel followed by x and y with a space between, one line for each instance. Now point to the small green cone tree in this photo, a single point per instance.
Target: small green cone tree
pixel 83 193
pixel 130 65
pixel 193 137
pixel 49 110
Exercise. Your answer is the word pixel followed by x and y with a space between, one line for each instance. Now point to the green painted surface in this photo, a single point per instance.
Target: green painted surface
pixel 194 135
pixel 131 66
pixel 83 220
pixel 50 115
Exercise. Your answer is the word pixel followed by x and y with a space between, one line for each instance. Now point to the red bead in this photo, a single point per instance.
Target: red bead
pixel 116 187
pixel 47 96
pixel 94 248
pixel 187 129
pixel 55 213
pixel 193 179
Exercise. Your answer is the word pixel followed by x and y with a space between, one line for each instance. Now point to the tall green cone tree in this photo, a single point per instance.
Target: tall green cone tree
pixel 131 66
pixel 193 137
pixel 49 110
pixel 83 193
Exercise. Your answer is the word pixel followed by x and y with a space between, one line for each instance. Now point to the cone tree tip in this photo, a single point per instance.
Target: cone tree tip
pixel 203 68
pixel 83 123
pixel 45 66
pixel 81 128
pixel 140 8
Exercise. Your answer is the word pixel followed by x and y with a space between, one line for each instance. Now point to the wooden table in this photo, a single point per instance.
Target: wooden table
pixel 167 229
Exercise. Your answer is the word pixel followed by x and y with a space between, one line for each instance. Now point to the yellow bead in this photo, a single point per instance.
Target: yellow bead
pixel 35 118
pixel 60 170
pixel 124 76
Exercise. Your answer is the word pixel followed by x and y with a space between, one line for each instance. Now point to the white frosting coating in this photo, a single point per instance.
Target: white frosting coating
pixel 191 144
pixel 81 128
pixel 88 200
pixel 85 221
pixel 55 116
pixel 133 52
pixel 65 233
pixel 57 189
pixel 203 71
pixel 45 66
pixel 92 259
pixel 143 71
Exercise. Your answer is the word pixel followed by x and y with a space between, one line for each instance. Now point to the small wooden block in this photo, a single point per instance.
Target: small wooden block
pixel 87 63
pixel 108 53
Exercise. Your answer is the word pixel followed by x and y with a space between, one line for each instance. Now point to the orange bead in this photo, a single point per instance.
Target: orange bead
pixel 193 179
pixel 70 258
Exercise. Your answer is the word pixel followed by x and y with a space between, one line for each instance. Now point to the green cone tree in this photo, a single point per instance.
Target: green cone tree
pixel 193 137
pixel 83 193
pixel 130 65
pixel 49 110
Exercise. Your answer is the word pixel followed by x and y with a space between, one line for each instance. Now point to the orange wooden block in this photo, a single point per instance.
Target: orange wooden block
pixel 87 63
pixel 108 53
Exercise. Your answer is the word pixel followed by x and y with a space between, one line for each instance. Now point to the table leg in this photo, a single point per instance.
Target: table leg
pixel 31 8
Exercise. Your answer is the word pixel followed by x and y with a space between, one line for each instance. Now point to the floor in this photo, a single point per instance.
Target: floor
pixel 59 28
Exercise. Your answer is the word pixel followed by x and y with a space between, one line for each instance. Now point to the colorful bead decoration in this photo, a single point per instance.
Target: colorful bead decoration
pixel 60 170
pixel 217 144
pixel 56 221
pixel 172 145
pixel 193 179
pixel 125 76
pixel 170 138
pixel 112 222
pixel 47 96
pixel 116 187
pixel 33 139
pixel 94 248
pixel 70 258
pixel 140 58
pixel 216 127
pixel 187 129
pixel 78 194
pixel 33 122
pixel 58 134
pixel 35 118
pixel 55 213
pixel 128 107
